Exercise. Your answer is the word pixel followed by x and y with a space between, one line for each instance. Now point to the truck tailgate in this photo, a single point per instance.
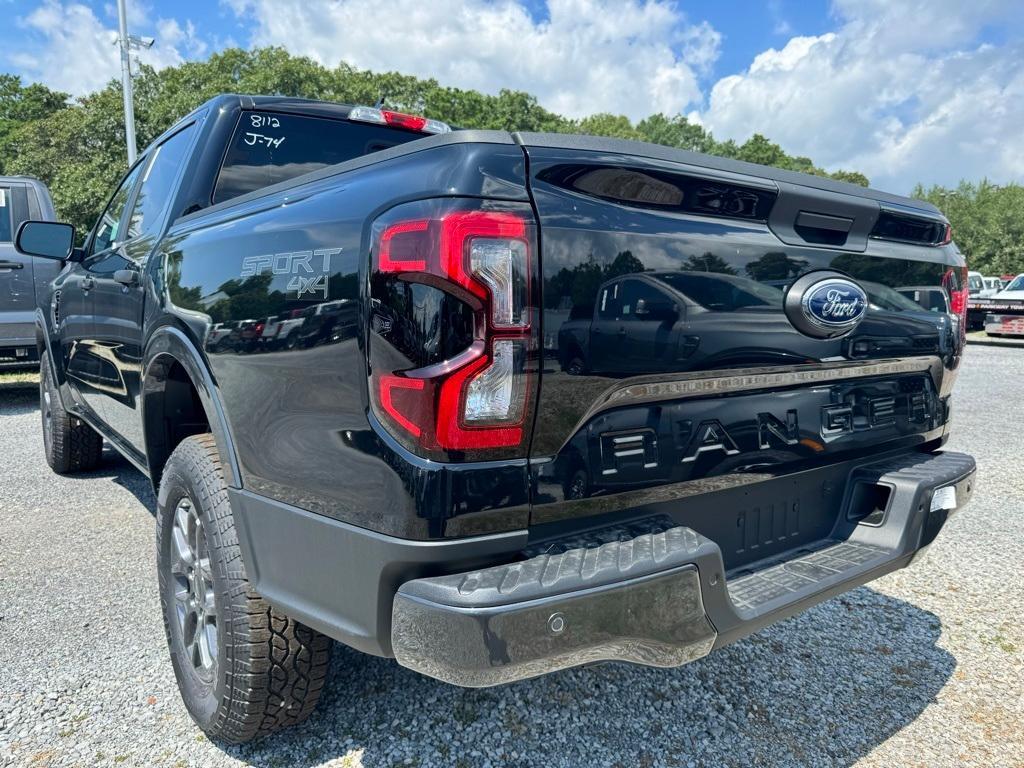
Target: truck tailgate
pixel 670 359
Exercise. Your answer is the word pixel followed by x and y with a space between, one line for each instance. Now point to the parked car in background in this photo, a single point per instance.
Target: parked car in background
pixel 992 286
pixel 21 198
pixel 281 330
pixel 975 283
pixel 1003 313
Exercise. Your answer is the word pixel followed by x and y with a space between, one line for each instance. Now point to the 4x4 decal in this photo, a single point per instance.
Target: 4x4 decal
pixel 310 270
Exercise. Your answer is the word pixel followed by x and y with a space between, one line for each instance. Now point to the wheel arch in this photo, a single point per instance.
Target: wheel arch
pixel 43 347
pixel 180 398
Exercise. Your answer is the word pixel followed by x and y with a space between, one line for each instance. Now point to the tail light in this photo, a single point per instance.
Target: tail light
pixel 452 345
pixel 955 282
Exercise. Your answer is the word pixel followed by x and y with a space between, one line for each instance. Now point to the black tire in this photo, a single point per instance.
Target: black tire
pixel 70 444
pixel 267 670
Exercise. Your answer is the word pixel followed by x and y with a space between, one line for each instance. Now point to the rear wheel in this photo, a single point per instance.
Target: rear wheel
pixel 244 669
pixel 70 444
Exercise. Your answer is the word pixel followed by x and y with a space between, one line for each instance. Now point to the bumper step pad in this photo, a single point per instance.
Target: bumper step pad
pixel 754 591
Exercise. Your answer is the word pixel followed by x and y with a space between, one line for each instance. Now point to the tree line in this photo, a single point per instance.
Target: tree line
pixel 77 146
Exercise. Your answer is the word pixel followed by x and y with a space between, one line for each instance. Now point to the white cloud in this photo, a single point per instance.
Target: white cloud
pixel 69 49
pixel 904 92
pixel 898 91
pixel 630 57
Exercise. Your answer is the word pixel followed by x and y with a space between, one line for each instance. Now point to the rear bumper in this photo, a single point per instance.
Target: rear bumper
pixel 659 597
pixel 18 352
pixel 638 601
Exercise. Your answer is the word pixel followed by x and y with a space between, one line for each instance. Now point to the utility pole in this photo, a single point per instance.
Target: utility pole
pixel 126 82
pixel 126 42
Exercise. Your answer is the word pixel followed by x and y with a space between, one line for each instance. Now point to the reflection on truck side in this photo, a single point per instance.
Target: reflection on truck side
pixel 655 322
pixel 323 323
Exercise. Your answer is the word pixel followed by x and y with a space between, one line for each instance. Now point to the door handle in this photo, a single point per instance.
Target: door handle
pixel 126 276
pixel 87 283
pixel 622 331
pixel 11 265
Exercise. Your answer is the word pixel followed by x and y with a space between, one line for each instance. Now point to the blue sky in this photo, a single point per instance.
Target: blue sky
pixel 903 90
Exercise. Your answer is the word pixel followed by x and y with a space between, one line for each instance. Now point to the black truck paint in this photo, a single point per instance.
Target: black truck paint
pixel 672 409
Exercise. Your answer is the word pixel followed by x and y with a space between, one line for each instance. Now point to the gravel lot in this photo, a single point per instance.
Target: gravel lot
pixel 924 667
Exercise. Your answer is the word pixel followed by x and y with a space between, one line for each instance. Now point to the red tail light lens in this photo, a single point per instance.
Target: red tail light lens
pixel 428 258
pixel 955 282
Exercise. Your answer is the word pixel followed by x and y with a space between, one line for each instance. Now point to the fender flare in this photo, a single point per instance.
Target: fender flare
pixel 168 345
pixel 45 348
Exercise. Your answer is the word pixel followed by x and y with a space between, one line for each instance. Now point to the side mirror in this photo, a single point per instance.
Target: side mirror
pixel 46 239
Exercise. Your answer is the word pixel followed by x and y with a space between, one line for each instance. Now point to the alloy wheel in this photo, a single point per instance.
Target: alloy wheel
pixel 195 606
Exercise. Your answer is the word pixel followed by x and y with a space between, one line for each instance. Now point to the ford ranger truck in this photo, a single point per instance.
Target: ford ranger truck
pixel 553 400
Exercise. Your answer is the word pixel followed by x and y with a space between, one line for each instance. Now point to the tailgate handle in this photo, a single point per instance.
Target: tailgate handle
pixel 822 221
pixel 11 265
pixel 822 229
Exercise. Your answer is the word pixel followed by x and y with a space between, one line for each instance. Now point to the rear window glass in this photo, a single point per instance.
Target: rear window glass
pixel 271 147
pixel 5 215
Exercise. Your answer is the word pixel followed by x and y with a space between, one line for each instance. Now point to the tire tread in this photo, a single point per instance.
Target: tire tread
pixel 274 666
pixel 74 446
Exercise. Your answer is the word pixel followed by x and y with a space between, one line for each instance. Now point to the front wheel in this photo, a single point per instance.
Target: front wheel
pixel 244 669
pixel 70 444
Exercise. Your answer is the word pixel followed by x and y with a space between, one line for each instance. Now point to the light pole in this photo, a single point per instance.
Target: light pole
pixel 126 42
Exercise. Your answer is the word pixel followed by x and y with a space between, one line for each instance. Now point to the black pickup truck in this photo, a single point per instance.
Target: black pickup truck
pixel 754 425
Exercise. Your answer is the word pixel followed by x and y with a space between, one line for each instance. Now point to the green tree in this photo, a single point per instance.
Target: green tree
pixel 987 221
pixel 20 105
pixel 77 148
pixel 675 132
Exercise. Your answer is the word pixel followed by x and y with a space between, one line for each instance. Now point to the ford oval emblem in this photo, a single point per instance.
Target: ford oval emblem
pixel 825 304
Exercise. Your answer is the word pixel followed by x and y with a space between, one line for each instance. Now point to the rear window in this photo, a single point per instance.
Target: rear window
pixel 270 147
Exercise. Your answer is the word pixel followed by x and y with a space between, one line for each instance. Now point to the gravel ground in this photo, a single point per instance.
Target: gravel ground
pixel 924 667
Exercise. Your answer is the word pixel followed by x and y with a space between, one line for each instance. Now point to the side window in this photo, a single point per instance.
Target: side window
pixel 270 147
pixel 609 302
pixel 158 182
pixel 110 220
pixel 5 215
pixel 632 292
